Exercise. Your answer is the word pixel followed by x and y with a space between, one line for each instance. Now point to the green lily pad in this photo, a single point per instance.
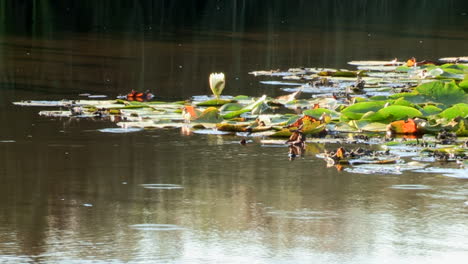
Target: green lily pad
pixel 454 111
pixel 368 126
pixel 430 110
pixel 234 114
pixel 401 101
pixel 356 111
pixel 241 98
pixel 412 97
pixel 317 113
pixel 210 115
pixel 461 128
pixel 231 107
pixel 464 84
pixel 309 128
pixel 214 102
pixel 395 112
pixel 446 93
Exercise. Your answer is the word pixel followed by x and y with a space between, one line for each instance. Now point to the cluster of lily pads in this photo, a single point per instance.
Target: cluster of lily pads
pixel 382 98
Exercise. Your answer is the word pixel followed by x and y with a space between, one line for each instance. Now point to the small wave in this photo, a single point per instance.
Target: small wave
pixel 156 227
pixel 120 130
pixel 161 186
pixel 210 132
pixel 410 187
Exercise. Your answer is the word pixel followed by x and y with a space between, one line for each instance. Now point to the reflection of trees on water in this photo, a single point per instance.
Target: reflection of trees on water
pixel 79 15
pixel 234 195
pixel 170 47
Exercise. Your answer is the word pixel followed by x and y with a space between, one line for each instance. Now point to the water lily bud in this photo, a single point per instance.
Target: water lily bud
pixel 217 83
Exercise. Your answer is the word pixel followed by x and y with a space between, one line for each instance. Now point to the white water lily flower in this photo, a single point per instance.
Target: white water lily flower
pixel 217 83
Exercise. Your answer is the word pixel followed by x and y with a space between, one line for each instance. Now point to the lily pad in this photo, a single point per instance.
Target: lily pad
pixel 455 111
pixel 214 102
pixel 446 93
pixel 431 110
pixel 210 115
pixel 318 112
pixel 395 112
pixel 464 84
pixel 356 111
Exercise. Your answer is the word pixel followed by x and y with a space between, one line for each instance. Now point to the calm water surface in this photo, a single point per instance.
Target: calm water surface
pixel 72 194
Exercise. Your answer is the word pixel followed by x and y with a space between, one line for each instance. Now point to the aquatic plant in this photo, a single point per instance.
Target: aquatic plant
pixel 393 99
pixel 217 83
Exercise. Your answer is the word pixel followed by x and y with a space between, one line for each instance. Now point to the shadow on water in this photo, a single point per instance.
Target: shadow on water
pixel 69 192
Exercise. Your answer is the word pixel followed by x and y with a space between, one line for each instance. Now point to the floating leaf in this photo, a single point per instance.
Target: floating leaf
pixel 338 73
pixel 318 112
pixel 293 122
pixel 210 115
pixel 55 113
pixel 231 127
pixel 464 84
pixel 312 127
pixel 368 126
pixel 431 110
pixel 461 128
pixel 356 111
pixel 396 112
pixel 404 127
pixel 455 111
pixel 214 102
pixel 246 109
pixel 446 93
pixel 282 133
pixel 375 63
pixel 231 107
pixel 403 102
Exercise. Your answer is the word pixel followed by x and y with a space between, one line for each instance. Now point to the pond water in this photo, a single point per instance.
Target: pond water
pixel 71 192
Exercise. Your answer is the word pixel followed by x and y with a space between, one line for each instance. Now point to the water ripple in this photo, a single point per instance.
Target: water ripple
pixel 161 186
pixel 410 187
pixel 156 227
pixel 303 215
pixel 120 130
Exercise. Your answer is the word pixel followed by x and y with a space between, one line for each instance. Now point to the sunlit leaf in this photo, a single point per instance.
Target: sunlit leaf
pixel 210 115
pixel 464 84
pixel 396 112
pixel 454 111
pixel 231 107
pixel 318 112
pixel 431 110
pixel 231 127
pixel 404 127
pixel 446 93
pixel 356 111
pixel 214 102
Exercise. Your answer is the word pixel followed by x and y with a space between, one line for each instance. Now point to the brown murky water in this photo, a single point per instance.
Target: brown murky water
pixel 72 194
